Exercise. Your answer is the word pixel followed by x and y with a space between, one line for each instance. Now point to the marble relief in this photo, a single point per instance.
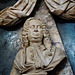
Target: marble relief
pixel 37 55
pixel 42 49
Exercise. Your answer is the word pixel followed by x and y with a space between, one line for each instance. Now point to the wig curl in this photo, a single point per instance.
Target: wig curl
pixel 46 35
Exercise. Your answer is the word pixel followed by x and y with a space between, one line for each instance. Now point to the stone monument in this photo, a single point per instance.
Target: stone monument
pixel 37 55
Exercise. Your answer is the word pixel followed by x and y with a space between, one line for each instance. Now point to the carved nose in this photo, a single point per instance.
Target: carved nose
pixel 35 30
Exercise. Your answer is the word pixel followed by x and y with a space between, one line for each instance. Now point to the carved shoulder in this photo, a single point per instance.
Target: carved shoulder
pixel 20 59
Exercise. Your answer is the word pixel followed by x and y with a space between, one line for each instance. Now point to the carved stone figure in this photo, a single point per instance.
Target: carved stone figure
pixel 37 55
pixel 62 8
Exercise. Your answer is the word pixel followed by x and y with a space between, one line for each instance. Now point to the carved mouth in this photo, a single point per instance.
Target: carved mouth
pixel 36 37
pixel 36 34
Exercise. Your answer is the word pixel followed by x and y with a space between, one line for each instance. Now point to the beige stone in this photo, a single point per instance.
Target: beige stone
pixel 62 8
pixel 12 15
pixel 23 8
pixel 37 55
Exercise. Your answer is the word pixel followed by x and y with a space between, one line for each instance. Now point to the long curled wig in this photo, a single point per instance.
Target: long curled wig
pixel 46 35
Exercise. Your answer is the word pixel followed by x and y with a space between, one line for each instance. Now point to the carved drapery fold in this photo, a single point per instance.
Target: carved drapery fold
pixel 11 15
pixel 23 8
pixel 62 8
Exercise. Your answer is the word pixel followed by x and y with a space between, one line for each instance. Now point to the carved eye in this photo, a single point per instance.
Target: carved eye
pixel 39 26
pixel 32 27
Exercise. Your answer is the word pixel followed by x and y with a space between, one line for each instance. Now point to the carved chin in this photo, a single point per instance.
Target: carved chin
pixel 35 39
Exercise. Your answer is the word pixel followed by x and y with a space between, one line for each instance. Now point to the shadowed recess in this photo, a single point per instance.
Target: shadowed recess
pixel 6 3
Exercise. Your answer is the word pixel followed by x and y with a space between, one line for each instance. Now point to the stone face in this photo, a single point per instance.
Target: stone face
pixel 37 55
pixel 62 8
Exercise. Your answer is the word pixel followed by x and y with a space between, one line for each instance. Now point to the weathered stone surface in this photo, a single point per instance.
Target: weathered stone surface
pixel 45 15
pixel 9 44
pixel 10 48
pixel 68 38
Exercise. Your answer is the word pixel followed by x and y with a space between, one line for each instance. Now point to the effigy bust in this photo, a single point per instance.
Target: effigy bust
pixel 38 55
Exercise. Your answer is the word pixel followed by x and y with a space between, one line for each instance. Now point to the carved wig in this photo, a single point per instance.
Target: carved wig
pixel 46 36
pixel 21 67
